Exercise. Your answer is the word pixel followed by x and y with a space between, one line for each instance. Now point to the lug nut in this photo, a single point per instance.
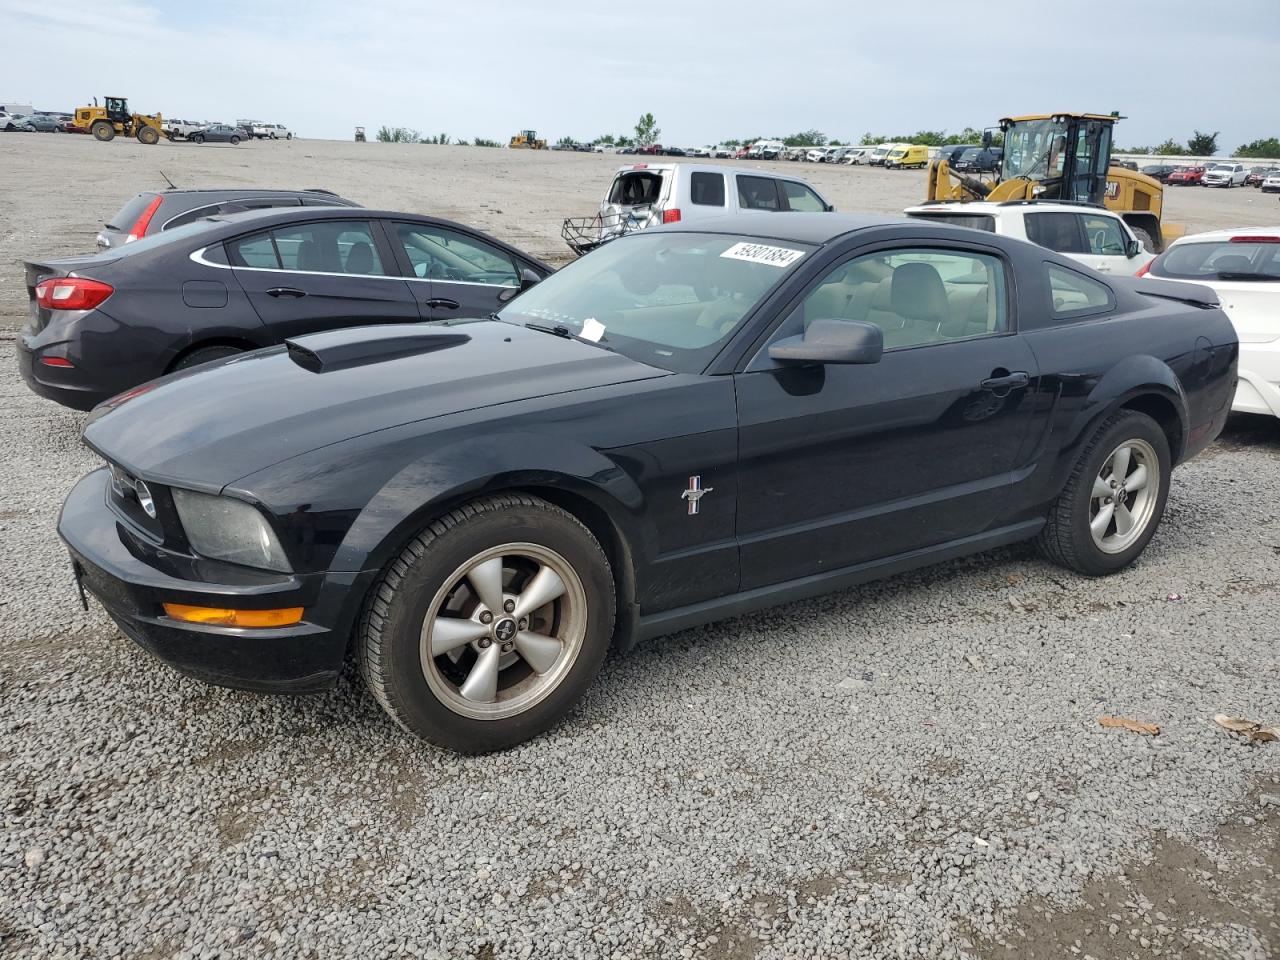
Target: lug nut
pixel 524 623
pixel 509 606
pixel 485 642
pixel 486 617
pixel 508 647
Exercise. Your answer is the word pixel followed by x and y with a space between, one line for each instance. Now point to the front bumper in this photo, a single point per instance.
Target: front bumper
pixel 1259 388
pixel 132 578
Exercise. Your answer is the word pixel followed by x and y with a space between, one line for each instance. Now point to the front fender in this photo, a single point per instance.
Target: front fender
pixel 473 466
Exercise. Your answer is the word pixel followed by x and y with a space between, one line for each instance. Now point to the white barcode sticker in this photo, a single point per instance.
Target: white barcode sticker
pixel 592 329
pixel 763 253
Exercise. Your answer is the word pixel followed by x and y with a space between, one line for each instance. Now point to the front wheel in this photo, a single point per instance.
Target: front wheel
pixel 197 138
pixel 148 135
pixel 1114 498
pixel 103 131
pixel 490 625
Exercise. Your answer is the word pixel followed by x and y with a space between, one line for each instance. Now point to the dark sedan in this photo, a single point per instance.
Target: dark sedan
pixel 220 286
pixel 219 133
pixel 689 423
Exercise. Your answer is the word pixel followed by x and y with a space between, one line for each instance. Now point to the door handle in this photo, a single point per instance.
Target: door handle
pixel 443 304
pixel 292 293
pixel 1006 382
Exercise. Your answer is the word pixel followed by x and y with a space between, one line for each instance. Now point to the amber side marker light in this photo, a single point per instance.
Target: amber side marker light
pixel 225 617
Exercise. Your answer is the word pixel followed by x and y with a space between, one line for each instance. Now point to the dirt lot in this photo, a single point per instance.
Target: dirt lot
pixel 913 769
pixel 59 189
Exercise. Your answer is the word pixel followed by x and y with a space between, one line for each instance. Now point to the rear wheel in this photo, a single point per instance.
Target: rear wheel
pixel 1114 499
pixel 490 625
pixel 148 135
pixel 235 139
pixel 103 130
pixel 204 355
pixel 197 138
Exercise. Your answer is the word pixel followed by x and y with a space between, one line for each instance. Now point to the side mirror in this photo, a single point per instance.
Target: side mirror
pixel 1132 248
pixel 832 341
pixel 528 278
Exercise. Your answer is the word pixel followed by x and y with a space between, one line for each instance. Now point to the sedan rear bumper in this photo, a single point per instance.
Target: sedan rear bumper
pixel 132 579
pixel 55 383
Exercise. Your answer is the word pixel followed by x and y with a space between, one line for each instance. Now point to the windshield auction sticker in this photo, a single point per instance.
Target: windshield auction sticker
pixel 761 253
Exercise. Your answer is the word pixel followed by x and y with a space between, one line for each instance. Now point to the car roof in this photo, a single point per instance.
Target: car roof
pixel 245 192
pixel 1005 206
pixel 711 168
pixel 816 228
pixel 1217 236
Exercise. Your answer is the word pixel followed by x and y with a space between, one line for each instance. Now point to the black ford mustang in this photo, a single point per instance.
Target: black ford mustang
pixel 686 424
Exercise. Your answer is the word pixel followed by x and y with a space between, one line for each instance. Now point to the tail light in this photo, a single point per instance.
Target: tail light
pixel 139 228
pixel 1259 239
pixel 670 216
pixel 56 362
pixel 1144 269
pixel 72 293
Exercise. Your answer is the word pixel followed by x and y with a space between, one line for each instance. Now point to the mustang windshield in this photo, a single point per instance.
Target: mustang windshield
pixel 667 299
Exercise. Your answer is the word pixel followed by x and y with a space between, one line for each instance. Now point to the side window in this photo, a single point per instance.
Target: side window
pixel 1059 232
pixel 440 254
pixel 758 193
pixel 799 197
pixel 1103 235
pixel 915 296
pixel 707 189
pixel 254 251
pixel 191 216
pixel 331 246
pixel 1076 295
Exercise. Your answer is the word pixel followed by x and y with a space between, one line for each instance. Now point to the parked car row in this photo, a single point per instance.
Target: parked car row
pixel 1221 174
pixel 479 507
pixel 32 123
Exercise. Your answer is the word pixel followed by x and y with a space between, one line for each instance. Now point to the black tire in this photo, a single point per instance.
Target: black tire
pixel 234 139
pixel 197 138
pixel 148 135
pixel 204 355
pixel 1066 538
pixel 1144 238
pixel 389 634
pixel 103 131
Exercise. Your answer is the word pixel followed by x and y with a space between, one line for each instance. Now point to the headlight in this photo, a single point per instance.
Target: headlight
pixel 224 528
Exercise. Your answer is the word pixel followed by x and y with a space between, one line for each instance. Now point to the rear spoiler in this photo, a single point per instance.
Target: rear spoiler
pixel 1195 294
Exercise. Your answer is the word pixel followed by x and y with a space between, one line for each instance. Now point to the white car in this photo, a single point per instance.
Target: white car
pixel 1271 184
pixel 1093 236
pixel 1243 268
pixel 857 155
pixel 1225 175
pixel 723 153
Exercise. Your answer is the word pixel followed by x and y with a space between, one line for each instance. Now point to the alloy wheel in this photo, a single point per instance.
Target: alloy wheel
pixel 1124 495
pixel 503 631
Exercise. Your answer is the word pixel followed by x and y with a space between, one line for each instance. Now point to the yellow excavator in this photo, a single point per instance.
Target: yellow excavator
pixel 114 117
pixel 527 140
pixel 1065 158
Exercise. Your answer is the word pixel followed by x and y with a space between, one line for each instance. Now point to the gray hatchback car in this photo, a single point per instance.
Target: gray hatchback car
pixel 151 211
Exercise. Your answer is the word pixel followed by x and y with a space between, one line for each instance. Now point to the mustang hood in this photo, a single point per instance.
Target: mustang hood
pixel 217 423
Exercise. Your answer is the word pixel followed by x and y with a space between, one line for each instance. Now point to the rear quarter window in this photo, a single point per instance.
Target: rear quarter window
pixel 1074 295
pixel 1207 261
pixel 974 221
pixel 128 215
pixel 707 189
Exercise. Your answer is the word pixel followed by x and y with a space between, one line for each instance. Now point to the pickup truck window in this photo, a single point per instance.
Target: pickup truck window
pixel 1104 235
pixel 758 193
pixel 800 197
pixel 707 189
pixel 1075 295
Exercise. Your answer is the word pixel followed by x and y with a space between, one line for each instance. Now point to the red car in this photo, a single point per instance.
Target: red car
pixel 653 149
pixel 1186 176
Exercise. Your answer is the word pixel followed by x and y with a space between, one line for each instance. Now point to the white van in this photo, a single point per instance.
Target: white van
pixel 881 153
pixel 648 194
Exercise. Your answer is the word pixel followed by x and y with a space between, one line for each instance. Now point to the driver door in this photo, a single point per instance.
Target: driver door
pixel 453 274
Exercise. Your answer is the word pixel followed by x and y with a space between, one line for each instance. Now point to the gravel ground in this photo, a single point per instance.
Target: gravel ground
pixel 910 769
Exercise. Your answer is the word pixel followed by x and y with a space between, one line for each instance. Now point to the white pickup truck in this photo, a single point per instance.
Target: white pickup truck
pixel 181 129
pixel 1092 235
pixel 272 131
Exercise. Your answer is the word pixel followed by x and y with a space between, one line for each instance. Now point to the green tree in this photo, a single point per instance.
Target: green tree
pixel 482 142
pixel 647 130
pixel 1203 144
pixel 399 135
pixel 806 138
pixel 606 139
pixel 1171 148
pixel 1268 149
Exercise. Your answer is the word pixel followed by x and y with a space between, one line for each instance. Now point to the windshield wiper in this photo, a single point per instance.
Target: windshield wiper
pixel 558 330
pixel 1241 275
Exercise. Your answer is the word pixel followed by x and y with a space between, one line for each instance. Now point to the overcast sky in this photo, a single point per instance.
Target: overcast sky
pixel 709 70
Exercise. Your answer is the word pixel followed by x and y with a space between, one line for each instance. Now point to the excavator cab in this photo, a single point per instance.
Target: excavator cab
pixel 1066 155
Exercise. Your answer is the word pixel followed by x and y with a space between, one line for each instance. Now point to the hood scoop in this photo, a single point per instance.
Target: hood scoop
pixel 358 346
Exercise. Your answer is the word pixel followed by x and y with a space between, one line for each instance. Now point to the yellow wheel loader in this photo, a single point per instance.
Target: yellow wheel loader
pixel 527 140
pixel 1066 158
pixel 114 117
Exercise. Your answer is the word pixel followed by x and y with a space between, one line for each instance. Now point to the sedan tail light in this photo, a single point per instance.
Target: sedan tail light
pixel 670 216
pixel 139 228
pixel 72 293
pixel 1144 269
